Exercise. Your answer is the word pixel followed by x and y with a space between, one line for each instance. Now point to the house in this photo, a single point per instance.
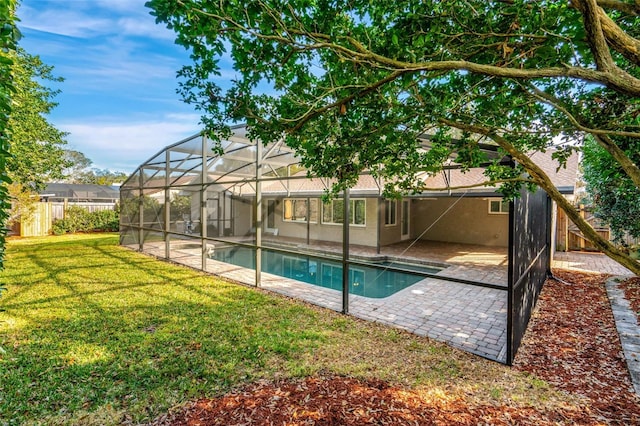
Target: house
pixel 80 193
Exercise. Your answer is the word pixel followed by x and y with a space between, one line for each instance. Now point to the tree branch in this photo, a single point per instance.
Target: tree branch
pixel 601 136
pixel 479 185
pixel 625 162
pixel 619 40
pixel 610 76
pixel 312 113
pixel 579 124
pixel 593 28
pixel 620 6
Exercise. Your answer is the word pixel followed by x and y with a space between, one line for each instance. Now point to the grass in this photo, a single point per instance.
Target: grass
pixel 92 333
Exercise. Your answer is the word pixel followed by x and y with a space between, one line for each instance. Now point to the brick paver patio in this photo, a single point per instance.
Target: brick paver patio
pixel 588 262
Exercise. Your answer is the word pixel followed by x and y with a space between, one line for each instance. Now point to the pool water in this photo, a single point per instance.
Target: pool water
pixel 363 280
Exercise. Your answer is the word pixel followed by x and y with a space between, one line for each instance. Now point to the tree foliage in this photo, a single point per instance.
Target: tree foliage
pixel 79 219
pixel 79 170
pixel 76 162
pixel 37 154
pixel 352 84
pixel 100 177
pixel 9 36
pixel 615 198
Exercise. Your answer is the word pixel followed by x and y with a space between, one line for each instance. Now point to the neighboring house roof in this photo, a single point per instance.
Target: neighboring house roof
pixel 79 192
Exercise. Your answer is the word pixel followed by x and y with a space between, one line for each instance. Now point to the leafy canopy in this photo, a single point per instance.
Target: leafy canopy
pixel 9 36
pixel 79 170
pixel 351 84
pixel 614 196
pixel 37 154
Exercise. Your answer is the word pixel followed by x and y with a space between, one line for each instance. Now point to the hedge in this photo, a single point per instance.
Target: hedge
pixel 79 219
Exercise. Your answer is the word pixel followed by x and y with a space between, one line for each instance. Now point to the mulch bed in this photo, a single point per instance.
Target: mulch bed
pixel 631 289
pixel 571 343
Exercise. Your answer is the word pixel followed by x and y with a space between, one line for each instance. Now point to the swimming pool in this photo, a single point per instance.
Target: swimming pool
pixel 363 280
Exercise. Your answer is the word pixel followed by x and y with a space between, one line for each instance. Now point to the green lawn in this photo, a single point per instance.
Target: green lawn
pixel 92 333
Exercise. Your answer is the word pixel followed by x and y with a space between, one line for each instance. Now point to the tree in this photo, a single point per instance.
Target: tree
pixel 36 150
pixel 352 84
pixel 37 154
pixel 79 171
pixel 102 177
pixel 9 36
pixel 77 162
pixel 615 198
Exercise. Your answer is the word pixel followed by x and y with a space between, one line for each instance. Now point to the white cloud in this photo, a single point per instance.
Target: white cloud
pixel 124 146
pixel 86 19
pixel 145 27
pixel 70 23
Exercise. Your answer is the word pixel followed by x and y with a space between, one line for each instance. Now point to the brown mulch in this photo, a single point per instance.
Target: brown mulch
pixel 333 401
pixel 571 344
pixel 631 289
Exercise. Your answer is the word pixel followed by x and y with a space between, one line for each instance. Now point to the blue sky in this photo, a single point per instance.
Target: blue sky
pixel 118 100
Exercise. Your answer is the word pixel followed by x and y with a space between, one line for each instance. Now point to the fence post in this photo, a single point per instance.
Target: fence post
pixel 582 215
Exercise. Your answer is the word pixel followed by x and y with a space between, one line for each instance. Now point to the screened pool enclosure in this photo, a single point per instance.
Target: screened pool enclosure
pixel 463 267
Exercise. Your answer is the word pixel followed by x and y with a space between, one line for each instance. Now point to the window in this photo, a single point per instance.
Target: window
pixel 390 209
pixel 498 206
pixel 296 210
pixel 333 211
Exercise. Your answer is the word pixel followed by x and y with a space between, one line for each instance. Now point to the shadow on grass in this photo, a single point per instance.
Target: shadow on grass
pixel 79 338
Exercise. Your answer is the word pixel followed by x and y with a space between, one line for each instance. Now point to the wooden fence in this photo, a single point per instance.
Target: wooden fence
pixel 40 222
pixel 569 237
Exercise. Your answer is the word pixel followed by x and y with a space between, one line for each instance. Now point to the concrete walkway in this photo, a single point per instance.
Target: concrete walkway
pixel 626 320
pixel 588 262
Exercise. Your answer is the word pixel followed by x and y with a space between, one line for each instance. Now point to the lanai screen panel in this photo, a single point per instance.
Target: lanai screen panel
pixel 530 261
pixel 129 216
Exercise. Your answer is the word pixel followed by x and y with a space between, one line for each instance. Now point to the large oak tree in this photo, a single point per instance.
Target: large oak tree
pixel 351 84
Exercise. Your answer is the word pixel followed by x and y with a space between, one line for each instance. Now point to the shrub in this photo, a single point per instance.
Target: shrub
pixel 79 219
pixel 104 220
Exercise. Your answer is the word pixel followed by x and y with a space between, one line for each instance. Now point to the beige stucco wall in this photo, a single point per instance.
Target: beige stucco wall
pixel 361 235
pixel 390 234
pixel 468 222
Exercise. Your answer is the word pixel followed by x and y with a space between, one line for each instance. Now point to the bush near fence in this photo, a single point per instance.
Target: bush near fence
pixel 79 219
